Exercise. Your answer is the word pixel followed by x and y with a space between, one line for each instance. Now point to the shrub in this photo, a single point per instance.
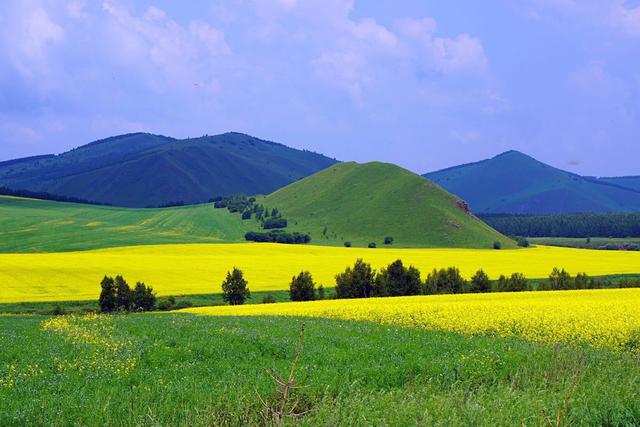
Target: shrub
pixel 347 244
pixel 480 282
pixel 356 282
pixel 302 287
pixel 445 281
pixel 559 280
pixel 268 299
pixel 522 242
pixel 497 245
pixel 372 245
pixel 234 288
pixel 272 223
pixel 396 280
pixel 246 215
pixel 278 236
pixel 388 240
pixel 321 293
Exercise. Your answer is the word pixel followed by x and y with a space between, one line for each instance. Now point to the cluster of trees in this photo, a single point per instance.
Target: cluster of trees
pixel 4 191
pixel 117 296
pixel 278 236
pixel 566 225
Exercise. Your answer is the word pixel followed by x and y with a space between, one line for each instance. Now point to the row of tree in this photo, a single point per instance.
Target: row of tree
pixel 566 225
pixel 117 296
pixel 278 236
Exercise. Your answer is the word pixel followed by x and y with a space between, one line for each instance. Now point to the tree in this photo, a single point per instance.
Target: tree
pixel 234 288
pixel 388 240
pixel 516 283
pixel 497 245
pixel 480 282
pixel 445 281
pixel 107 300
pixel 372 245
pixel 123 294
pixel 143 298
pixel 356 282
pixel 246 215
pixel 559 280
pixel 347 244
pixel 396 280
pixel 321 293
pixel 302 287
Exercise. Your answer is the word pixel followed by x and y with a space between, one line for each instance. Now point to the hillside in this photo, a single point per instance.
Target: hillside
pixel 513 182
pixel 139 170
pixel 30 225
pixel 364 203
pixel 631 182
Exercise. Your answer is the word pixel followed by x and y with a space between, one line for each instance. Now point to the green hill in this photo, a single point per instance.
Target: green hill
pixel 631 182
pixel 30 225
pixel 139 170
pixel 513 182
pixel 364 203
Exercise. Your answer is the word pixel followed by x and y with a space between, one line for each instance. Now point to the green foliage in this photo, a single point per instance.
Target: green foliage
pixel 430 217
pixel 278 236
pixel 143 298
pixel 560 280
pixel 356 282
pixel 117 296
pixel 396 280
pixel 371 245
pixel 321 293
pixel 123 294
pixel 268 299
pixel 497 245
pixel 388 240
pixel 347 244
pixel 445 281
pixel 107 300
pixel 234 288
pixel 522 242
pixel 274 222
pixel 246 215
pixel 515 283
pixel 302 287
pixel 480 282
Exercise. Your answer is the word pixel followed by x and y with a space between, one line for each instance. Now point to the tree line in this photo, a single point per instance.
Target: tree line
pixel 580 225
pixel 42 195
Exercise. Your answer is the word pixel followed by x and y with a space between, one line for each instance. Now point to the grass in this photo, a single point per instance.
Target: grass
pixel 177 369
pixel 200 269
pixel 31 226
pixel 364 203
pixel 595 242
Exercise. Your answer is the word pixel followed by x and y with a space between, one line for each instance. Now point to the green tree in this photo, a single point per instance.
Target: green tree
pixel 480 282
pixel 559 280
pixel 302 287
pixel 396 280
pixel 356 282
pixel 321 293
pixel 234 288
pixel 445 281
pixel 107 300
pixel 497 245
pixel 123 294
pixel 388 240
pixel 143 298
pixel 516 283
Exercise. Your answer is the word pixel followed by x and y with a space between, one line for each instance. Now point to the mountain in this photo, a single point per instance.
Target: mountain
pixel 363 203
pixel 513 182
pixel 631 182
pixel 138 170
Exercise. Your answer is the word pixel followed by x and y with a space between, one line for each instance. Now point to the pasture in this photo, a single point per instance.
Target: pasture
pixel 200 268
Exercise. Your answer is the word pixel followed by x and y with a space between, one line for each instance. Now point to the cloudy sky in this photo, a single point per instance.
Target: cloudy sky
pixel 424 84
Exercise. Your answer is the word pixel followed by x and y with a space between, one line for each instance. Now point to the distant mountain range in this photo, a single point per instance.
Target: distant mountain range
pixel 140 169
pixel 516 183
pixel 364 203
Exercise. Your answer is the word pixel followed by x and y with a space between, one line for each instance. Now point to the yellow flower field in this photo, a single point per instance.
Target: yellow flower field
pixel 602 318
pixel 200 268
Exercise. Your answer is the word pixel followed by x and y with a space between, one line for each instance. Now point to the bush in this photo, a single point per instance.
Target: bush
pixel 278 236
pixel 388 240
pixel 480 282
pixel 302 287
pixel 372 245
pixel 321 293
pixel 246 215
pixel 272 223
pixel 234 288
pixel 268 299
pixel 356 282
pixel 347 244
pixel 167 304
pixel 516 283
pixel 396 280
pixel 559 280
pixel 522 242
pixel 143 298
pixel 497 245
pixel 445 281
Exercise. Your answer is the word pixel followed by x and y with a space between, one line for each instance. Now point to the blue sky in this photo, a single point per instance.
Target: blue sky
pixel 424 84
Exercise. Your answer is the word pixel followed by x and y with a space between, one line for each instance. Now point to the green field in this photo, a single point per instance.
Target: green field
pixel 364 203
pixel 182 370
pixel 594 243
pixel 30 225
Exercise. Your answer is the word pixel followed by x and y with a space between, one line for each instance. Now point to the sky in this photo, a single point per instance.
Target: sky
pixel 423 84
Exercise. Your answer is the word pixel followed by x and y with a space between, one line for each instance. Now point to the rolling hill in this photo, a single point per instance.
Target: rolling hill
pixel 139 170
pixel 631 182
pixel 30 225
pixel 364 203
pixel 513 182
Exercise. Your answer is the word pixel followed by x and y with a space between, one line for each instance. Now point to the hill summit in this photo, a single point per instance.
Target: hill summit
pixel 140 169
pixel 513 182
pixel 365 203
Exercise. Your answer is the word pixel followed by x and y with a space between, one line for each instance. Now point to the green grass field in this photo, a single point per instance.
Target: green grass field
pixel 30 225
pixel 595 242
pixel 176 369
pixel 364 203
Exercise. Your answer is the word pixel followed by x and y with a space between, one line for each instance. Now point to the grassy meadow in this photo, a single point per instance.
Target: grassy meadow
pixel 200 268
